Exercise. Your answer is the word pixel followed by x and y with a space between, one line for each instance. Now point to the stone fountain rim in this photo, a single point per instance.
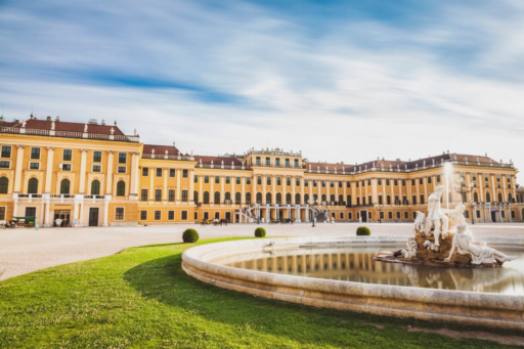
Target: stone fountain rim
pixel 199 257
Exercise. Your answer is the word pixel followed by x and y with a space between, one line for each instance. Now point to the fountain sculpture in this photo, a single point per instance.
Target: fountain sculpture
pixel 442 237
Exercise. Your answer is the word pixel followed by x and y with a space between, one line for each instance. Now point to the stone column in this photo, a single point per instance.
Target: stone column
pixel 374 194
pixel 302 191
pixel 165 176
pixel 243 185
pixel 233 190
pixel 107 200
pixel 212 190
pixel 191 186
pixel 49 171
pixel 133 194
pixel 178 193
pixel 109 174
pixel 18 169
pixel 293 190
pixel 222 189
pixel 83 165
pixel 264 184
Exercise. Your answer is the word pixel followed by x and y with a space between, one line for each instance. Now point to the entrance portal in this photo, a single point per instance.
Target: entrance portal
pixel 364 216
pixel 62 218
pixel 93 216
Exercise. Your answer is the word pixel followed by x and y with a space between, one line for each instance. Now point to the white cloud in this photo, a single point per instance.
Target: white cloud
pixel 331 96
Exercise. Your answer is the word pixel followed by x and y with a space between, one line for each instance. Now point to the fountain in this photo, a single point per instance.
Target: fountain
pixel 442 237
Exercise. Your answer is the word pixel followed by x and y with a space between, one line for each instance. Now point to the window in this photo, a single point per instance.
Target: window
pixel 217 197
pixel 122 158
pixel 195 197
pixel 120 188
pixel 237 198
pixel 172 172
pixel 185 196
pixel 65 185
pixel 95 187
pixel 414 198
pixel 171 215
pixel 158 194
pixel 488 197
pixel 217 180
pixel 184 215
pixel 228 180
pixel 4 164
pixel 121 169
pixel 35 153
pixel 144 195
pixel 34 165
pixel 237 180
pixel 32 186
pixel 206 197
pixel 185 173
pixel 68 154
pixel 288 181
pixel 257 161
pixel 268 161
pixel 158 215
pixel 4 185
pixel 259 180
pixel 97 156
pixel 248 198
pixel 296 163
pixel 195 179
pixel 119 213
pixel 159 172
pixel 279 181
pixel 143 215
pixel 277 162
pixel 268 180
pixel 206 179
pixel 171 195
pixel 2 213
pixel 97 168
pixel 287 162
pixel 248 181
pixel 6 152
pixel 422 199
pixel 145 171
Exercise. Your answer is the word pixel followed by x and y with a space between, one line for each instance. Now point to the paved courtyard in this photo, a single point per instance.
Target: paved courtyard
pixel 26 250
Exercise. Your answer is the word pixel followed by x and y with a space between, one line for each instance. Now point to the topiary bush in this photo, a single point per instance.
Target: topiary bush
pixel 363 231
pixel 260 232
pixel 190 235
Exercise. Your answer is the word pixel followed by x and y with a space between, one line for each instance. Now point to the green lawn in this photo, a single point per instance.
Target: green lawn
pixel 141 298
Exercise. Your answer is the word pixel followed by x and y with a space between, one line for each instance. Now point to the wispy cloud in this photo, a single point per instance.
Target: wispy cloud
pixel 340 80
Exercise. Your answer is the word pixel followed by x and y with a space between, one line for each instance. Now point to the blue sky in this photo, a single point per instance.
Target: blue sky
pixel 340 80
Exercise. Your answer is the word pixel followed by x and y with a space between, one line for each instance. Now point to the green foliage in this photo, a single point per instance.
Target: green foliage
pixel 363 231
pixel 190 235
pixel 260 232
pixel 141 298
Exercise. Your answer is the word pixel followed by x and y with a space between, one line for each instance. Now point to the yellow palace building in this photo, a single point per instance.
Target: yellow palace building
pixel 90 174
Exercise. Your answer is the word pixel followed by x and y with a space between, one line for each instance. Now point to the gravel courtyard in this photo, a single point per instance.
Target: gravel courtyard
pixel 25 250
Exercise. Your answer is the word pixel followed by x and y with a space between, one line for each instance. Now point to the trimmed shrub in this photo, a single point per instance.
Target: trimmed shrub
pixel 363 231
pixel 190 235
pixel 260 232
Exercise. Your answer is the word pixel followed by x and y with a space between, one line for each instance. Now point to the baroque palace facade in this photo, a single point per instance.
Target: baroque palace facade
pixel 80 174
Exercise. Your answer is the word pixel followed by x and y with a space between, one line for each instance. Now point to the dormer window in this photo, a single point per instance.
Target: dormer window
pixel 68 154
pixel 35 153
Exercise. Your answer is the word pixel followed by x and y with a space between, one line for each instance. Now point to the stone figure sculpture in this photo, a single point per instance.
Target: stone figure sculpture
pixel 464 244
pixel 442 238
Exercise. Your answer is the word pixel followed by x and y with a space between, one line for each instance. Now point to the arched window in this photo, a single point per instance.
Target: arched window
pixel 315 198
pixel 488 197
pixel 279 198
pixel 332 199
pixel 217 197
pixel 238 198
pixel 195 196
pixel 259 198
pixel 475 197
pixel 510 197
pixel 288 199
pixel 227 197
pixel 323 198
pixel 297 199
pixel 4 185
pixel 206 197
pixel 340 200
pixel 95 187
pixel 121 188
pixel 32 186
pixel 248 198
pixel 500 197
pixel 268 198
pixel 306 199
pixel 65 186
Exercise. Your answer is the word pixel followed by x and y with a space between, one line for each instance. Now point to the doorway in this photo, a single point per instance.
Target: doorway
pixel 93 216
pixel 364 216
pixel 493 216
pixel 62 218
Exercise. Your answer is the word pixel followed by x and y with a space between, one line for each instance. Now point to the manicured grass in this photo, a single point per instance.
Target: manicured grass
pixel 141 298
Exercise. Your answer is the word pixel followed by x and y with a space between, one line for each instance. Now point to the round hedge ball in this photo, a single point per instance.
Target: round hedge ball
pixel 260 232
pixel 363 231
pixel 190 235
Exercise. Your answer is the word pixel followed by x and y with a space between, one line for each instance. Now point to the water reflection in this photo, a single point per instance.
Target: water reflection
pixel 360 266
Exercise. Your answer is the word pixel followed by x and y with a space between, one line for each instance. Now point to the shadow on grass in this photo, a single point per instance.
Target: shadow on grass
pixel 164 280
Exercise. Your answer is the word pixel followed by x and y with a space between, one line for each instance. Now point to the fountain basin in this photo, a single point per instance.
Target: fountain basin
pixel 213 264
